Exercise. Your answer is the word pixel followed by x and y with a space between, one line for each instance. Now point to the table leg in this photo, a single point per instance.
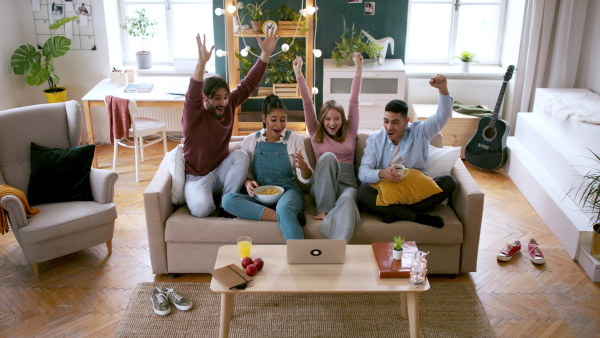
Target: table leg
pixel 226 314
pixel 403 305
pixel 90 129
pixel 413 313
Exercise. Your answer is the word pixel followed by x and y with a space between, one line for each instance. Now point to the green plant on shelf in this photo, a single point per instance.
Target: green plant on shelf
pixel 280 68
pixel 247 62
pixel 353 41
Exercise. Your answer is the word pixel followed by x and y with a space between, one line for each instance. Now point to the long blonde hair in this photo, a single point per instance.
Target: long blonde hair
pixel 340 136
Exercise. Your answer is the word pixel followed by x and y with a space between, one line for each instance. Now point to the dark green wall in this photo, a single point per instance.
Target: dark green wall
pixel 390 19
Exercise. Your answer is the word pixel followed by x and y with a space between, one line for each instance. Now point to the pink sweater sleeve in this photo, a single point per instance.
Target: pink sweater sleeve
pixel 353 107
pixel 310 114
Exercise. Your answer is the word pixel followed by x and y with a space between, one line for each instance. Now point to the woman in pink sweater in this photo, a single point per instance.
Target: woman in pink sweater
pixel 333 138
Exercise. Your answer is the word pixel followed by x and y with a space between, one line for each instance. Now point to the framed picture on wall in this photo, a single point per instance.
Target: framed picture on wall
pixel 369 8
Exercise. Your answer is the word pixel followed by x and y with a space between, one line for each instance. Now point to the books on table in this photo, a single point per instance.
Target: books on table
pixel 139 87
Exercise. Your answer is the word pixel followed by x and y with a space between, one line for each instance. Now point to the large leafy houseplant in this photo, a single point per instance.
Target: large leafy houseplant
pixel 353 41
pixel 38 67
pixel 589 199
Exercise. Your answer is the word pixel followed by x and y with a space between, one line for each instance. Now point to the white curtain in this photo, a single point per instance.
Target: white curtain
pixel 549 51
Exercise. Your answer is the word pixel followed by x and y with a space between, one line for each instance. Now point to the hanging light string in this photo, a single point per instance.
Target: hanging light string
pixel 291 44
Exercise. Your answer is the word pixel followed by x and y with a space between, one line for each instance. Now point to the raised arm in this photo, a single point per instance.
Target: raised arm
pixel 310 113
pixel 437 121
pixel 353 106
pixel 203 57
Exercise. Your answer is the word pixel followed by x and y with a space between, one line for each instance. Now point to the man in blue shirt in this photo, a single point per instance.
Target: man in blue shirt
pixel 406 143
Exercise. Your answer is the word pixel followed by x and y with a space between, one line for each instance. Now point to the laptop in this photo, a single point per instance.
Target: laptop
pixel 316 251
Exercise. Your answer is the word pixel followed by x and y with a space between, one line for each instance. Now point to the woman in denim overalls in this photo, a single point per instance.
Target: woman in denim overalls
pixel 278 158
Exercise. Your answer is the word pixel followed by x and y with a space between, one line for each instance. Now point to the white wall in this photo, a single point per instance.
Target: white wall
pixel 588 73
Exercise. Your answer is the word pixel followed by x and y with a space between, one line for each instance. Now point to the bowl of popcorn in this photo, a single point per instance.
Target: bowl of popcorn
pixel 268 194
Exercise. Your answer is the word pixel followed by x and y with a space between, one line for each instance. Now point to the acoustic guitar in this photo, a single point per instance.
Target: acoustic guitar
pixel 487 149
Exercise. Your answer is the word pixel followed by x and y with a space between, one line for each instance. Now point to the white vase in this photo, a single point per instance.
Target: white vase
pixel 397 254
pixel 465 66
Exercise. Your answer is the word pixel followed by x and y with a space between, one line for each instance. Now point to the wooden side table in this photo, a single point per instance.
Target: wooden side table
pixel 457 132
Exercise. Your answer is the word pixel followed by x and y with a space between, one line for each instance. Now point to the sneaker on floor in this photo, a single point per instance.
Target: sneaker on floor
pixel 160 303
pixel 509 250
pixel 535 253
pixel 179 301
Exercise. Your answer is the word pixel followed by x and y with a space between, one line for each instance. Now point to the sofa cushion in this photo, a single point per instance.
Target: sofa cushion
pixel 176 163
pixel 60 175
pixel 414 187
pixel 440 161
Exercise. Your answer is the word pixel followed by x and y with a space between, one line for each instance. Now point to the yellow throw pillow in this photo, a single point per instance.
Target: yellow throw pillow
pixel 413 188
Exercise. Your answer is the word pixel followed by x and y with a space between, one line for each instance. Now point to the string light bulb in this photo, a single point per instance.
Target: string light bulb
pixel 303 12
pixel 244 52
pixel 317 53
pixel 285 47
pixel 221 53
pixel 311 10
pixel 219 11
pixel 231 9
pixel 315 90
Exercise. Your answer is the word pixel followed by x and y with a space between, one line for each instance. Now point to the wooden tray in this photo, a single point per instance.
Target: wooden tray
pixel 388 266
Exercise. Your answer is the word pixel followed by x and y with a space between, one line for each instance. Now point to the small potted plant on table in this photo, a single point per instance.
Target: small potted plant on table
pixel 256 15
pixel 141 26
pixel 397 247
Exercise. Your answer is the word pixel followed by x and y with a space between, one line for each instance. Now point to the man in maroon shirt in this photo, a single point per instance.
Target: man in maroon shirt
pixel 208 116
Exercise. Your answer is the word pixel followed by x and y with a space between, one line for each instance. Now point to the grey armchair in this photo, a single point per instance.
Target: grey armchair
pixel 64 227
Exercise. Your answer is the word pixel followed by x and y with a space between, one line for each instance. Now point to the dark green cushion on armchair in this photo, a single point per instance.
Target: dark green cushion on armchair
pixel 60 175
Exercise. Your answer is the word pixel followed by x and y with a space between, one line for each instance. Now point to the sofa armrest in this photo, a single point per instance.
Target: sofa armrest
pixel 158 208
pixel 103 185
pixel 15 212
pixel 467 202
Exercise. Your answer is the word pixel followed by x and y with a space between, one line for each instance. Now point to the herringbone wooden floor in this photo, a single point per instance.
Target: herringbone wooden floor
pixel 86 293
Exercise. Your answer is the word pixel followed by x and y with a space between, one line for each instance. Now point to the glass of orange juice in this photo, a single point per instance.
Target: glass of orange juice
pixel 244 244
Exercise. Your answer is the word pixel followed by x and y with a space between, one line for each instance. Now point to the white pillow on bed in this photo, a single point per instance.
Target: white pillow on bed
pixel 441 160
pixel 177 169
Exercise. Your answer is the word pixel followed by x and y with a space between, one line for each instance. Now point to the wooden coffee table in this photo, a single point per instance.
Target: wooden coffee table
pixel 359 274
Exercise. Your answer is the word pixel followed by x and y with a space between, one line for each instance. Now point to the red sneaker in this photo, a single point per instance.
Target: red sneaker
pixel 535 253
pixel 510 249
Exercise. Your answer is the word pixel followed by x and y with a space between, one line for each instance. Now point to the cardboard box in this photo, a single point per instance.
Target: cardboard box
pixel 589 263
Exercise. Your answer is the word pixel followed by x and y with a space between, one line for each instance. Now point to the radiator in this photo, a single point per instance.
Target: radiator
pixel 483 92
pixel 171 116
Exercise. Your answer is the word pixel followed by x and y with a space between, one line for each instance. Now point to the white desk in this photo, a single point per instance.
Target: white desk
pixel 156 98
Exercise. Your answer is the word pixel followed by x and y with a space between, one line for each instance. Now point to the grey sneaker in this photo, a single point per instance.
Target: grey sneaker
pixel 179 301
pixel 160 303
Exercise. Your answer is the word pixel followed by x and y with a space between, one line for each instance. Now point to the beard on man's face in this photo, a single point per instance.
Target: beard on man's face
pixel 217 111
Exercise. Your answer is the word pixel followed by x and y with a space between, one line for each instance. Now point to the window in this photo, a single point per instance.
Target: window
pixel 440 29
pixel 178 23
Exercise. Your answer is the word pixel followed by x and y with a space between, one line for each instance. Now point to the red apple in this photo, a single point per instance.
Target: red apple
pixel 251 270
pixel 246 261
pixel 259 263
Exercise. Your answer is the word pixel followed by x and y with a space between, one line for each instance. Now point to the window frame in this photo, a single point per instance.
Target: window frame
pixel 454 23
pixel 128 54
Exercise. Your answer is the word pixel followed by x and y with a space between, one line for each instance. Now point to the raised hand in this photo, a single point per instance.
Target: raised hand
pixel 439 81
pixel 358 58
pixel 297 64
pixel 268 44
pixel 203 54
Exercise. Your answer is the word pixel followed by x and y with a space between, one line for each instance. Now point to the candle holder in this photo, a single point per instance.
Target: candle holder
pixel 418 269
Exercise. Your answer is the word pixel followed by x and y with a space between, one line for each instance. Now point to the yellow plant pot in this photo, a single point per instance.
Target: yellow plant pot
pixel 60 96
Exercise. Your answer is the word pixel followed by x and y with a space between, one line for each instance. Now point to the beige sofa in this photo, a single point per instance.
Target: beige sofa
pixel 182 243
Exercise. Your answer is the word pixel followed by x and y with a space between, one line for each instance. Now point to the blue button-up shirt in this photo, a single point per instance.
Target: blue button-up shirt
pixel 414 146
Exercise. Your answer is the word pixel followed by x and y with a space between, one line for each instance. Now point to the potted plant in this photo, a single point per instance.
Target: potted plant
pixel 466 58
pixel 280 71
pixel 257 16
pixel 141 26
pixel 289 19
pixel 397 247
pixel 38 67
pixel 352 41
pixel 589 192
pixel 246 63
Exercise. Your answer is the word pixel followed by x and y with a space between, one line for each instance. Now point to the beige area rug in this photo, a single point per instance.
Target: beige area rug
pixel 446 310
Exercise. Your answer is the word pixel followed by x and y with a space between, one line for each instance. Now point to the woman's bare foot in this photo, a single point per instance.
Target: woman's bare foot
pixel 320 216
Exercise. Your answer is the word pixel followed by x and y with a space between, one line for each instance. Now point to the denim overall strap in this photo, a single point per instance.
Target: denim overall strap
pixel 271 165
